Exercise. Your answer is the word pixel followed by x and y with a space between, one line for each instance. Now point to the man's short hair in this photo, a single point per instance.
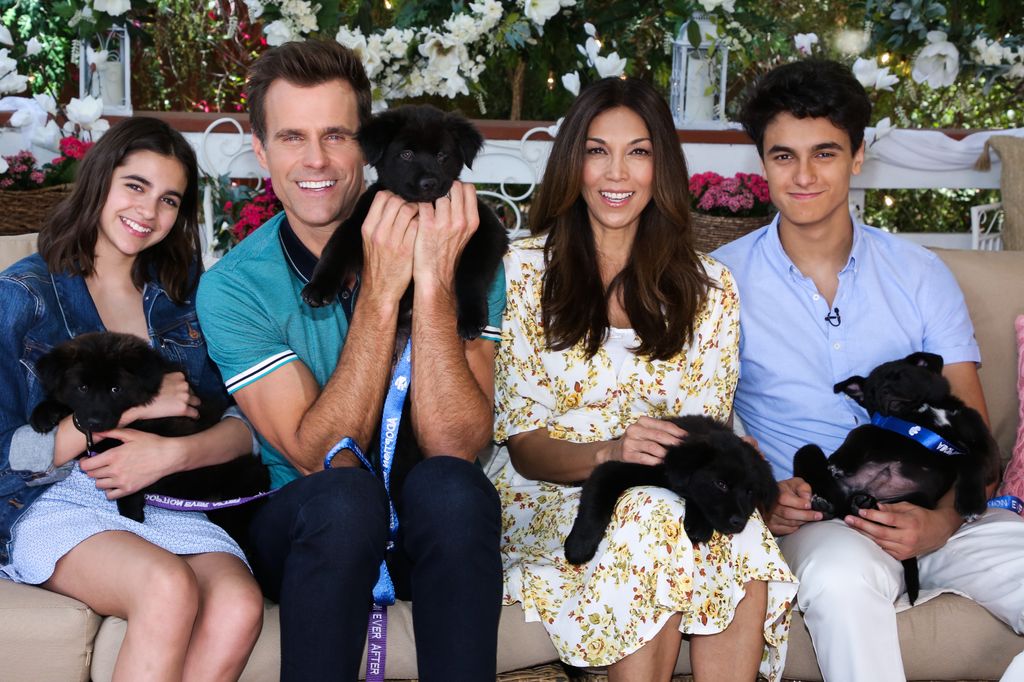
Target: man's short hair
pixel 810 88
pixel 304 64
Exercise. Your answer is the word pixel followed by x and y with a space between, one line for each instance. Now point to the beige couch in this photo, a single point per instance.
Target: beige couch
pixel 45 637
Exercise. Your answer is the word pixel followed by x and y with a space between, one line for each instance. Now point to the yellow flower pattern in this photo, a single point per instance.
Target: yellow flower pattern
pixel 645 569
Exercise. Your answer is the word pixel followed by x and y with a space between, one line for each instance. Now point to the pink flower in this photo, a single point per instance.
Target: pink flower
pixel 744 194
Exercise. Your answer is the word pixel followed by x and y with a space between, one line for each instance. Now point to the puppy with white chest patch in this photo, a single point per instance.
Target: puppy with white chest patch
pixel 921 441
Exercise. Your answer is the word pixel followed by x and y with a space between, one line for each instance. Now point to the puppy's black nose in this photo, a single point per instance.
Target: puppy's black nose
pixel 428 185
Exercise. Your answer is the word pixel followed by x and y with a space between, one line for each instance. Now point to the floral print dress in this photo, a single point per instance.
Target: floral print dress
pixel 645 569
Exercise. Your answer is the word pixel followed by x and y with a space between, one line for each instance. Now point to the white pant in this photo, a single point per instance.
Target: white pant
pixel 848 586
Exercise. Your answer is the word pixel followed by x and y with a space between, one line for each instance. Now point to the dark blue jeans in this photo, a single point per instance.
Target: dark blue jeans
pixel 316 549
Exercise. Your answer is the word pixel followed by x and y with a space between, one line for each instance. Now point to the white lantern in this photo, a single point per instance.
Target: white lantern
pixel 105 70
pixel 698 75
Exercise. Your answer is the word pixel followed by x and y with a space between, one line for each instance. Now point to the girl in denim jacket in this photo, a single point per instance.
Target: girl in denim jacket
pixel 122 254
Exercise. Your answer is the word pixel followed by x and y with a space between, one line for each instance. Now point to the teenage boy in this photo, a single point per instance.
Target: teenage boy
pixel 308 377
pixel 825 297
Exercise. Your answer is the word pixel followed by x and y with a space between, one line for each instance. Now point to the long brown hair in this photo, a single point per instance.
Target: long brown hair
pixel 67 241
pixel 663 284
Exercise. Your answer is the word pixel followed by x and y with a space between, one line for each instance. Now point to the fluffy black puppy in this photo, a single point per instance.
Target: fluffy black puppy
pixel 96 377
pixel 877 464
pixel 418 152
pixel 721 477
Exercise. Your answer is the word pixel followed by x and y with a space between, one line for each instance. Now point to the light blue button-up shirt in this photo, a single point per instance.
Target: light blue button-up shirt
pixel 894 298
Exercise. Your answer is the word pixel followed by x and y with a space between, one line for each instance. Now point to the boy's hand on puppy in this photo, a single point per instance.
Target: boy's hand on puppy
pixel 793 508
pixel 175 399
pixel 444 229
pixel 389 236
pixel 904 530
pixel 646 441
pixel 142 458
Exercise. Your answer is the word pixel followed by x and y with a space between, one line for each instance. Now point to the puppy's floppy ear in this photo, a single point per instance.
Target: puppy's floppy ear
pixel 466 136
pixel 52 367
pixel 853 387
pixel 930 361
pixel 378 132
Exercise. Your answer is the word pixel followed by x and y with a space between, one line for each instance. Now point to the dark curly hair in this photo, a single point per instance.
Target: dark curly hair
pixel 811 88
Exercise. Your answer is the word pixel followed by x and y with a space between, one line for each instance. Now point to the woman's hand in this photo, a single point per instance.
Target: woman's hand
pixel 142 459
pixel 646 441
pixel 175 399
pixel 793 508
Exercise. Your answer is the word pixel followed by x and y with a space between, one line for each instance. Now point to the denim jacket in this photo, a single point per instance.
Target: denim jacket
pixel 38 310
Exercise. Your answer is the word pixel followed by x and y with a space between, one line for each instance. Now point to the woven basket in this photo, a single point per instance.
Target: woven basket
pixel 23 211
pixel 711 231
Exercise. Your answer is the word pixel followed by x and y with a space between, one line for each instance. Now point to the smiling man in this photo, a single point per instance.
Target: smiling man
pixel 308 377
pixel 824 297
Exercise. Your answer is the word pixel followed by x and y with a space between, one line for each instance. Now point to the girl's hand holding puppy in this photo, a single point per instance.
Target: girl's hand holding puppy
pixel 142 459
pixel 175 399
pixel 646 441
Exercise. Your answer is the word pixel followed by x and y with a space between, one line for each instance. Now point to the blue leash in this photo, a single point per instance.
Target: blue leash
pixel 384 590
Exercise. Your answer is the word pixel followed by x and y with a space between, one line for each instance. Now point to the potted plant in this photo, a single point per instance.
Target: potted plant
pixel 30 189
pixel 725 209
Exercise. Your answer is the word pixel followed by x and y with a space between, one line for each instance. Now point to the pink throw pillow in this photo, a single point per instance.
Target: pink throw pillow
pixel 1013 479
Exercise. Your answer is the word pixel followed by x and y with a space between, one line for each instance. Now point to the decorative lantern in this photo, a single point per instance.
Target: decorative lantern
pixel 104 70
pixel 699 65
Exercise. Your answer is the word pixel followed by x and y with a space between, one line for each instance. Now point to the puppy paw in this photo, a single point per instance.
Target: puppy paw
pixel 860 501
pixel 820 504
pixel 579 549
pixel 47 415
pixel 316 295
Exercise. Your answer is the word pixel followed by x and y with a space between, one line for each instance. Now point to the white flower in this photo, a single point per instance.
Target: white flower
pixel 442 56
pixel 95 56
pixel 11 81
pixel 804 42
pixel 84 112
pixel 3 165
pixel 462 27
pixel 589 28
pixel 48 136
pixel 990 52
pixel 1016 71
pixel 112 7
pixel 612 65
pixel 571 82
pixel 33 47
pixel 47 102
pixel 255 8
pixel 709 5
pixel 539 11
pixel 938 62
pixel 5 36
pixel 868 73
pixel 277 33
pixel 882 128
pixel 490 11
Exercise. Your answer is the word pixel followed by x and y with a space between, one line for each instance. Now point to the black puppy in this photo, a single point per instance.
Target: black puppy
pixel 96 377
pixel 418 152
pixel 721 477
pixel 883 462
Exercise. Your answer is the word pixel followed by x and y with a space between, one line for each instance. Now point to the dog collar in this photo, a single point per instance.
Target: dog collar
pixel 89 447
pixel 925 437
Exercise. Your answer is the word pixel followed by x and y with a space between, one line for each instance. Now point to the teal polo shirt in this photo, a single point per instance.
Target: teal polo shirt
pixel 255 320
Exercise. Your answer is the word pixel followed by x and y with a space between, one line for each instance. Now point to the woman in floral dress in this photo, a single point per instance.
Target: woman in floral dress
pixel 613 323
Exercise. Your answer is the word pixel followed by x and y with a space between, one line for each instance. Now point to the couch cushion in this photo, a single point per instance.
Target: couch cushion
pixel 946 638
pixel 15 247
pixel 522 645
pixel 45 637
pixel 993 284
